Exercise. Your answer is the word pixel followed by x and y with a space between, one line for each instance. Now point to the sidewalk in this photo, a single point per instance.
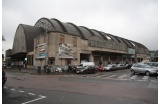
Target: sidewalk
pixel 34 71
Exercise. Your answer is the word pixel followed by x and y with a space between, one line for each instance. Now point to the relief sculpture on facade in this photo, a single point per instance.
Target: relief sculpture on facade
pixel 66 51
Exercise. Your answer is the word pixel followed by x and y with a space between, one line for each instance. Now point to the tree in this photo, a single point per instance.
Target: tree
pixel 3 39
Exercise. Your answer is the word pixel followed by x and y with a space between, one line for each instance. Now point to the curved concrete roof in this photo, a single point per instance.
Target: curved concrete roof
pixel 84 32
pixel 24 38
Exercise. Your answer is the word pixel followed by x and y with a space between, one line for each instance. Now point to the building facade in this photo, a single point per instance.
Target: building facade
pixel 53 42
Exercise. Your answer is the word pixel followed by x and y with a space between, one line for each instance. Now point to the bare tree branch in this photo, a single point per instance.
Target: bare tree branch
pixel 3 39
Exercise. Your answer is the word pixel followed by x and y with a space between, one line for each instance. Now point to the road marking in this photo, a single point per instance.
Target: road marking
pixel 103 75
pixel 111 76
pixel 13 89
pixel 21 91
pixel 31 93
pixel 123 76
pixel 145 77
pixel 134 77
pixel 40 97
pixel 95 75
pixel 6 87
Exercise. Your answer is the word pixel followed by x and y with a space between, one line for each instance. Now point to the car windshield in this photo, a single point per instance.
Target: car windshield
pixel 109 66
pixel 80 66
pixel 147 66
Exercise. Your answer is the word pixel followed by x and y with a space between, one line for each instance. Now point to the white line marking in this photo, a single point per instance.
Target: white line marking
pixel 123 76
pixel 21 91
pixel 13 89
pixel 41 97
pixel 145 77
pixel 6 87
pixel 134 77
pixel 31 93
pixel 61 100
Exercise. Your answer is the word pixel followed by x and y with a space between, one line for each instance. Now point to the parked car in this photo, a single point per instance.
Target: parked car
pixel 143 68
pixel 100 68
pixel 128 66
pixel 110 67
pixel 85 69
pixel 87 63
pixel 121 66
pixel 56 68
pixel 4 77
pixel 4 65
pixel 154 64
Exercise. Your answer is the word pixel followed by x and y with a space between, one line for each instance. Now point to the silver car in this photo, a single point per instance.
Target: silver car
pixel 143 68
pixel 121 66
pixel 110 67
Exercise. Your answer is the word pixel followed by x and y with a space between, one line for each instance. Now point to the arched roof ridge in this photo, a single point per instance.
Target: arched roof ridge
pixel 100 34
pixel 88 30
pixel 63 27
pixel 78 30
pixel 131 45
pixel 24 32
pixel 15 36
pixel 30 34
pixel 47 20
pixel 111 36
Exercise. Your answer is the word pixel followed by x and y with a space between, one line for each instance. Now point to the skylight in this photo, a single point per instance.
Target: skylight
pixel 108 37
pixel 133 44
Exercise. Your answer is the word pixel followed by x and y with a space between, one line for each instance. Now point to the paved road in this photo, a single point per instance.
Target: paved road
pixel 118 75
pixel 24 88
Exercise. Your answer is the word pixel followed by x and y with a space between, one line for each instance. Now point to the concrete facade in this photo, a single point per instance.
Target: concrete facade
pixel 51 41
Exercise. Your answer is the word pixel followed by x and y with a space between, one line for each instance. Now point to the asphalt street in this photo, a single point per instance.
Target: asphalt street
pixel 99 88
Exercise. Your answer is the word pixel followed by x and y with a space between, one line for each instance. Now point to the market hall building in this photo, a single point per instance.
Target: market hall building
pixel 53 42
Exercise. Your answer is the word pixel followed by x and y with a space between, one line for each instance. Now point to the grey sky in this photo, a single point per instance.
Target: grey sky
pixel 135 20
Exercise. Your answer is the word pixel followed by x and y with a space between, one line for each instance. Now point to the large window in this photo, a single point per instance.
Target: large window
pixel 61 38
pixel 74 40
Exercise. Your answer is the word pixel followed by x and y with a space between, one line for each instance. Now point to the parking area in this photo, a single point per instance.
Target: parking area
pixel 124 74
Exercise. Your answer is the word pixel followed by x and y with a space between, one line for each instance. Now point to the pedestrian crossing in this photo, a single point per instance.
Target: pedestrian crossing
pixel 119 77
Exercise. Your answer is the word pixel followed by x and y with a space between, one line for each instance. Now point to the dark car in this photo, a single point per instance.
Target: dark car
pixel 128 66
pixel 4 77
pixel 85 69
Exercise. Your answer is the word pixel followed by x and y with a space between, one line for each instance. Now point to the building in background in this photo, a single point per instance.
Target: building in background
pixel 51 41
pixel 154 56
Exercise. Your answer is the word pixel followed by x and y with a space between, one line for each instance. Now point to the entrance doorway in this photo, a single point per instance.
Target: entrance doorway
pixel 84 57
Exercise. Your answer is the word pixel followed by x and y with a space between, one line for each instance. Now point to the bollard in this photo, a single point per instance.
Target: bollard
pixel 38 69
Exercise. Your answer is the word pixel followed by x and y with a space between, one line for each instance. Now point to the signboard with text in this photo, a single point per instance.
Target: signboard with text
pixel 42 50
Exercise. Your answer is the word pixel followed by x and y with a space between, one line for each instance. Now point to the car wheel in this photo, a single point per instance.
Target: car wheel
pixel 147 73
pixel 132 72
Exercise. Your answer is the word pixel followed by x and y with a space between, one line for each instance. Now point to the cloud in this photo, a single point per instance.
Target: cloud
pixel 136 20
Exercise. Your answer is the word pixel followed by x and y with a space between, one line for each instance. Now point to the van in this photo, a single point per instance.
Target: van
pixel 87 64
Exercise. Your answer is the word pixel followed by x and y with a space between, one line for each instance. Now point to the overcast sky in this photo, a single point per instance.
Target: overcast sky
pixel 135 20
